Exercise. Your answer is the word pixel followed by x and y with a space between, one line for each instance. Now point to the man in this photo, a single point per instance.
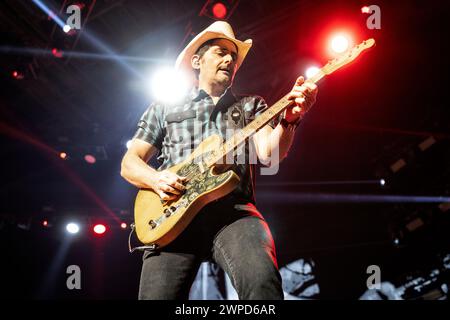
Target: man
pixel 229 231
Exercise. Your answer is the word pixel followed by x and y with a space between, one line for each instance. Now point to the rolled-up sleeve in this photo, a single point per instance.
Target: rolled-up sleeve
pixel 149 127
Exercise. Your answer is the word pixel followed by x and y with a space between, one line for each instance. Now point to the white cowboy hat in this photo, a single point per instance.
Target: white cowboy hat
pixel 217 30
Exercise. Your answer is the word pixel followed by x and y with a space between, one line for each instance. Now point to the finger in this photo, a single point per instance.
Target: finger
pixel 177 182
pixel 300 101
pixel 292 95
pixel 164 196
pixel 299 90
pixel 176 178
pixel 170 178
pixel 311 86
pixel 178 186
pixel 305 90
pixel 168 189
pixel 295 94
pixel 296 109
pixel 299 81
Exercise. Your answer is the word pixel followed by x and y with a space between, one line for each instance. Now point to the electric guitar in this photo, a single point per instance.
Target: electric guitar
pixel 159 222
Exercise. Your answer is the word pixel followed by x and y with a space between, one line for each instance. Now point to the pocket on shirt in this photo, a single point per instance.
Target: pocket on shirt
pixel 180 126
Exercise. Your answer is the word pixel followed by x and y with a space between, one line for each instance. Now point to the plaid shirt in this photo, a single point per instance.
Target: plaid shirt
pixel 176 130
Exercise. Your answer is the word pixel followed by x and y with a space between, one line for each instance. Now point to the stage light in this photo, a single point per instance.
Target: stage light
pixel 424 145
pixel 382 182
pixel 66 28
pixel 63 155
pixel 169 85
pixel 45 223
pixel 311 71
pixel 80 5
pixel 128 144
pixel 99 228
pixel 17 75
pixel 123 225
pixel 72 228
pixel 365 9
pixel 41 5
pixel 90 159
pixel 219 10
pixel 340 43
pixel 57 53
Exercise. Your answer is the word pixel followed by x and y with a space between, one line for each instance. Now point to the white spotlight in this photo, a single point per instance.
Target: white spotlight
pixel 128 144
pixel 382 182
pixel 311 71
pixel 72 228
pixel 169 85
pixel 340 43
pixel 66 28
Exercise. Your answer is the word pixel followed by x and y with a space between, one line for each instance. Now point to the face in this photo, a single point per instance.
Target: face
pixel 218 64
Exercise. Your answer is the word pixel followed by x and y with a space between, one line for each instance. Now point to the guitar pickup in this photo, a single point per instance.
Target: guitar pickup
pixel 152 224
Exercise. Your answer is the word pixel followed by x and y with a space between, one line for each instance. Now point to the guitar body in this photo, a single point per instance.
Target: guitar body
pixel 159 224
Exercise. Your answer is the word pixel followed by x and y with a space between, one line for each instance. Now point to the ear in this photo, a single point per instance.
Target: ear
pixel 195 62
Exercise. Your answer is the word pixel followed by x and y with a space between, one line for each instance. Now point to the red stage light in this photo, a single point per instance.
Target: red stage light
pixel 99 228
pixel 365 9
pixel 57 53
pixel 63 155
pixel 219 10
pixel 123 225
pixel 90 159
pixel 17 75
pixel 45 223
pixel 80 5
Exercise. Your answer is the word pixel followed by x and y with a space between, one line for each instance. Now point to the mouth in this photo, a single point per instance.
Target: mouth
pixel 226 71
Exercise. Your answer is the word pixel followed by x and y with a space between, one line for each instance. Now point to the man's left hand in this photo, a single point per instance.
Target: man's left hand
pixel 304 95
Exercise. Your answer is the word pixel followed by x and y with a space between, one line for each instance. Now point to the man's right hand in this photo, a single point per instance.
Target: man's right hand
pixel 168 185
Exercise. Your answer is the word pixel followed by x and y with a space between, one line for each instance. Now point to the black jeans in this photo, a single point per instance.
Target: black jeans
pixel 239 241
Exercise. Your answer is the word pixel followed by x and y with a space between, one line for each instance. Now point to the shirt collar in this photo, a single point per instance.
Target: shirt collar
pixel 199 94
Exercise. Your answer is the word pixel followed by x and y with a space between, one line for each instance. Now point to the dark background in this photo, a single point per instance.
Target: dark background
pixel 367 116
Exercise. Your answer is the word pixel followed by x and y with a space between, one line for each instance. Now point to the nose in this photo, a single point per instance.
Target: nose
pixel 229 57
pixel 229 60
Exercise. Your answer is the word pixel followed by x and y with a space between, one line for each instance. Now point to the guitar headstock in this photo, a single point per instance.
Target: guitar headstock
pixel 347 57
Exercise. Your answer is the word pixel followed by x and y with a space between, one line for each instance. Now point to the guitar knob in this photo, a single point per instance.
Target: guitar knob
pixel 167 212
pixel 152 224
pixel 173 209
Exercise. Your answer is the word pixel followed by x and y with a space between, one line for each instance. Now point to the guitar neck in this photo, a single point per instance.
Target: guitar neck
pixel 240 136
